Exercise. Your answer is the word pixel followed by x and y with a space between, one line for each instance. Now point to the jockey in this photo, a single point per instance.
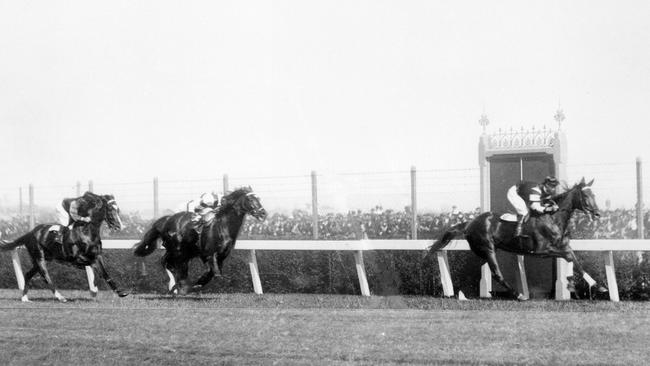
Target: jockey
pixel 207 204
pixel 525 196
pixel 72 210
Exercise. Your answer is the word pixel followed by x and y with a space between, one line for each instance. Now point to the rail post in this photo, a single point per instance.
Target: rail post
pixel 255 273
pixel 32 221
pixel 15 256
pixel 90 274
pixel 314 205
pixel 156 203
pixel 639 204
pixel 225 184
pixel 20 201
pixel 414 206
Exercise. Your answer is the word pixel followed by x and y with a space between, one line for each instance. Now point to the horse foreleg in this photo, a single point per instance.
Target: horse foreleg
pixel 210 263
pixel 104 273
pixel 172 282
pixel 182 278
pixel 42 269
pixel 90 275
pixel 498 276
pixel 571 258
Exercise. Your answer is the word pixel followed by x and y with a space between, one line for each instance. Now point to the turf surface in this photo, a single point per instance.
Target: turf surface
pixel 288 329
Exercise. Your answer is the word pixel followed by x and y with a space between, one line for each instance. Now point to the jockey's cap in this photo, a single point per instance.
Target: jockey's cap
pixel 551 181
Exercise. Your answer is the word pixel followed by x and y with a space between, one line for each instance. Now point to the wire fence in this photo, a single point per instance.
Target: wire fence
pixel 437 190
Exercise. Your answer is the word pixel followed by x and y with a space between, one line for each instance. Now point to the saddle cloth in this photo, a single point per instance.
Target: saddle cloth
pixel 508 217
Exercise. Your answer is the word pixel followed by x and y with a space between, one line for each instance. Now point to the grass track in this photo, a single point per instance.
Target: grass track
pixel 318 329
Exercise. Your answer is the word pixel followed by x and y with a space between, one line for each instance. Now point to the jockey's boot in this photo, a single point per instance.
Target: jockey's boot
pixel 520 227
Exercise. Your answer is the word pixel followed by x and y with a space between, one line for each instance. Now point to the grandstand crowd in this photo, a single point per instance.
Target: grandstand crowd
pixel 375 223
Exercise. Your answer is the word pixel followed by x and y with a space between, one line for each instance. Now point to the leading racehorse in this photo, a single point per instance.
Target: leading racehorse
pixel 82 245
pixel 216 240
pixel 548 234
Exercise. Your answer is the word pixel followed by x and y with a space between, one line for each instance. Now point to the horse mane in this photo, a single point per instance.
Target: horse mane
pixel 229 200
pixel 566 190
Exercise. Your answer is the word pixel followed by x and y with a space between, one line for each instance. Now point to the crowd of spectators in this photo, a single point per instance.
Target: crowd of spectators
pixel 375 223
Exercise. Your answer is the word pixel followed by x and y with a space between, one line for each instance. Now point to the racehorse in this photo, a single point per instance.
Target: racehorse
pixel 548 234
pixel 82 245
pixel 216 240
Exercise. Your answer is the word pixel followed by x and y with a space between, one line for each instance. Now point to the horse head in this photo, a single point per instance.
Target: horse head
pixel 112 213
pixel 244 201
pixel 585 200
pixel 104 208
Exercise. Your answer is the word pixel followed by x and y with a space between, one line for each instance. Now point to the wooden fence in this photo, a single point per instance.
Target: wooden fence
pixel 607 247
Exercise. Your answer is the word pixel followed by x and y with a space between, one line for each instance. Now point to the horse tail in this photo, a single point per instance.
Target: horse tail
pixel 9 245
pixel 148 244
pixel 450 234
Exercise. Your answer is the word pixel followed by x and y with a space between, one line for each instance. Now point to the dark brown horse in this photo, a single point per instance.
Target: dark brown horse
pixel 213 245
pixel 81 246
pixel 547 234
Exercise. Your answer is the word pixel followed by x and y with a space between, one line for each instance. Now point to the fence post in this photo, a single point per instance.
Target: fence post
pixel 445 276
pixel 20 201
pixel 90 274
pixel 32 221
pixel 314 205
pixel 610 272
pixel 639 204
pixel 225 184
pixel 255 273
pixel 414 206
pixel 156 204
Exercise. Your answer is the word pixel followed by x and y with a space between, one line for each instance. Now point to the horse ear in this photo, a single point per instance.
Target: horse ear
pixel 582 181
pixel 590 183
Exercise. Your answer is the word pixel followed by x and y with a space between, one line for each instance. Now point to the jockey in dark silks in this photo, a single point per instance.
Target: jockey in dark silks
pixel 525 196
pixel 72 210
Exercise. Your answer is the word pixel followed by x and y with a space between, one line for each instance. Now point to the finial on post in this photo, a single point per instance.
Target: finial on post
pixel 559 117
pixel 484 121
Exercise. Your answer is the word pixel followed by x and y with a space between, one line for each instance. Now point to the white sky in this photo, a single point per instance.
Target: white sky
pixel 124 91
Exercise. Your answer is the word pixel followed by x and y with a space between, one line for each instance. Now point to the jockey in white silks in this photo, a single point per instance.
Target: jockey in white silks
pixel 204 208
pixel 525 196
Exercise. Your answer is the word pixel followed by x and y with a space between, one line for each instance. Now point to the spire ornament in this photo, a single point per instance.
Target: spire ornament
pixel 484 121
pixel 559 117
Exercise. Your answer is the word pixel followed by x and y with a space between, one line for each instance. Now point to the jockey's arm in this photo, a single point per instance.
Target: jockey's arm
pixel 74 213
pixel 537 206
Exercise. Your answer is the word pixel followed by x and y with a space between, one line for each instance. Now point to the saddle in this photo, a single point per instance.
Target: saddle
pixel 202 219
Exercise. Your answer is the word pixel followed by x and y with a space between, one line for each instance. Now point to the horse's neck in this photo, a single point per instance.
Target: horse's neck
pixel 563 215
pixel 233 222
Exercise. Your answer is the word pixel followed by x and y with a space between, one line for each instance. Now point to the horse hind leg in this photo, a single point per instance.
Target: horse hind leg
pixel 498 276
pixel 28 277
pixel 42 269
pixel 211 269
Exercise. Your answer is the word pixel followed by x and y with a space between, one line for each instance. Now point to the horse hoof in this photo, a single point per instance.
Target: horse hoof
pixel 123 293
pixel 24 298
pixel 93 294
pixel 521 297
pixel 60 297
pixel 602 290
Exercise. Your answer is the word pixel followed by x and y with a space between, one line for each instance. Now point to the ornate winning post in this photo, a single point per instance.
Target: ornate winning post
pixel 505 158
